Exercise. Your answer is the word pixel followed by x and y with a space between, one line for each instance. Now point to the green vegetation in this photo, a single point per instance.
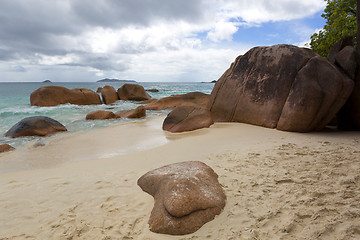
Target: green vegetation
pixel 340 18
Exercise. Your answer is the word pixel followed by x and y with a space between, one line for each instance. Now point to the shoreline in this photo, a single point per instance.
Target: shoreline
pixel 67 147
pixel 279 185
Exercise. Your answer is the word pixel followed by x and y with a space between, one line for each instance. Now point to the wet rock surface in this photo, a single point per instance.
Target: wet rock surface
pixel 35 126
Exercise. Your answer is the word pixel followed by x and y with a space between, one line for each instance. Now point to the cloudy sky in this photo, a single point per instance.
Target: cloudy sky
pixel 145 40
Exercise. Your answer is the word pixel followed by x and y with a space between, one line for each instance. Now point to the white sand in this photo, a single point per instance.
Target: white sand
pixel 279 185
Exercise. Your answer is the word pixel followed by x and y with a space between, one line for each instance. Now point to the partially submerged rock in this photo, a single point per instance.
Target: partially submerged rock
pixel 133 92
pixel 101 115
pixel 6 148
pixel 109 95
pixel 283 87
pixel 152 90
pixel 55 95
pixel 35 126
pixel 187 195
pixel 187 118
pixel 196 99
pixel 138 112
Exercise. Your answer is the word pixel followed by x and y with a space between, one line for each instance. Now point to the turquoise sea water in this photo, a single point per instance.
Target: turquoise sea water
pixel 15 105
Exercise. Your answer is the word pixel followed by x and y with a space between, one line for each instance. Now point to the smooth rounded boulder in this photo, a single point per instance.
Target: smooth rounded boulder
pixel 138 112
pixel 187 118
pixel 109 94
pixel 6 148
pixel 187 195
pixel 133 92
pixel 195 99
pixel 101 115
pixel 35 126
pixel 283 87
pixel 48 96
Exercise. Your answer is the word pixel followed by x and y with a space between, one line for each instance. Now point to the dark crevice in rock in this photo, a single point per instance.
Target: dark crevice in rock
pixel 291 87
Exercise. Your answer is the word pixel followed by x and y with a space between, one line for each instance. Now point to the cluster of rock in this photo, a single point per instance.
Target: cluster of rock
pixel 186 195
pixel 55 95
pixel 48 96
pixel 283 87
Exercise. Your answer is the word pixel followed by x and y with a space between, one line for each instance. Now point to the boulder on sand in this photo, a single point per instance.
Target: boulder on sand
pixel 101 115
pixel 283 87
pixel 109 95
pixel 35 126
pixel 6 148
pixel 196 99
pixel 54 95
pixel 187 195
pixel 138 112
pixel 133 92
pixel 187 118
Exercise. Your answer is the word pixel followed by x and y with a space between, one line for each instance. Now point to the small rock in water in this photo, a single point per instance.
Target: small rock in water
pixel 6 148
pixel 100 115
pixel 187 195
pixel 152 90
pixel 39 144
pixel 138 112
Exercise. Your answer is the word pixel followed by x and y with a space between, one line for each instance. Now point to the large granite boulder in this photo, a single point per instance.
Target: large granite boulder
pixel 35 126
pixel 55 95
pixel 101 115
pixel 138 112
pixel 187 195
pixel 196 99
pixel 283 87
pixel 6 148
pixel 133 92
pixel 187 118
pixel 109 95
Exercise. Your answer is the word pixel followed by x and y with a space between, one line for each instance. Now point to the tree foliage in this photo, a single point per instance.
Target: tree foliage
pixel 340 18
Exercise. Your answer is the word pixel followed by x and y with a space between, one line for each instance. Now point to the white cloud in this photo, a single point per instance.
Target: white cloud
pixel 260 11
pixel 149 40
pixel 222 31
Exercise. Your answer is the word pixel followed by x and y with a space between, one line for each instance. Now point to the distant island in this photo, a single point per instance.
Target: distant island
pixel 213 81
pixel 47 81
pixel 114 80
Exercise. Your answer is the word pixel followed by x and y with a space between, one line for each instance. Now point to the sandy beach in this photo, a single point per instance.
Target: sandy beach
pixel 279 185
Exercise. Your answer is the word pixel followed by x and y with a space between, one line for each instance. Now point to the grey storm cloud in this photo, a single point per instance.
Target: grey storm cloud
pixel 29 27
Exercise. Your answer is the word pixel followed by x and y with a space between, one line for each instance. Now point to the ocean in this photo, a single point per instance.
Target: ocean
pixel 15 105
